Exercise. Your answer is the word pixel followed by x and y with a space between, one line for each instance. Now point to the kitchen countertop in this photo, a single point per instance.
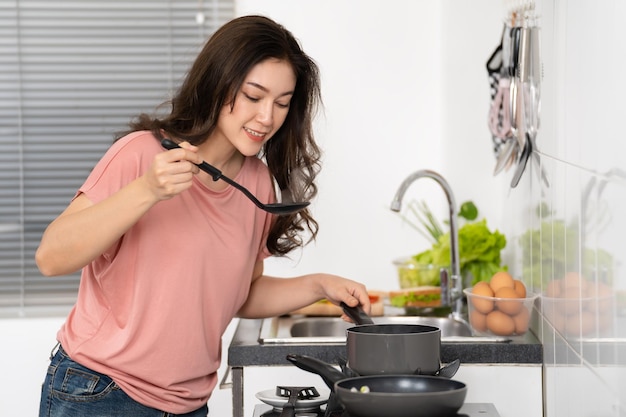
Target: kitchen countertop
pixel 245 350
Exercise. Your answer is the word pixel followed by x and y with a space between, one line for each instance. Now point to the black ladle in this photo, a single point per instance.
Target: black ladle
pixel 280 209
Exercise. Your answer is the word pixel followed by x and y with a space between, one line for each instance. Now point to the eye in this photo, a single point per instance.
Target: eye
pixel 283 105
pixel 252 99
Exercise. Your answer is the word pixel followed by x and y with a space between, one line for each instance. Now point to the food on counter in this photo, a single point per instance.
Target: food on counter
pixel 326 308
pixel 520 288
pixel 579 307
pixel 500 323
pixel 499 306
pixel 479 247
pixel 511 307
pixel 424 296
pixel 414 273
pixel 554 249
pixel 478 320
pixel 483 305
pixel 522 320
pixel 501 279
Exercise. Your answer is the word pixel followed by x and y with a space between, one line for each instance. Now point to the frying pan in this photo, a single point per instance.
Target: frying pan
pixel 397 395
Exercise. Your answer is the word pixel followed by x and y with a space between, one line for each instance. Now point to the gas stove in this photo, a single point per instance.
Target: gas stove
pixel 468 410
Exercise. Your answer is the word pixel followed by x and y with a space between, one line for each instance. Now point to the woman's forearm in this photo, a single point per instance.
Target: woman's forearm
pixel 271 296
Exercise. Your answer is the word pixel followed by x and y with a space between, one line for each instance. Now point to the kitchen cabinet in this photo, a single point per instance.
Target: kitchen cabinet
pixel 509 375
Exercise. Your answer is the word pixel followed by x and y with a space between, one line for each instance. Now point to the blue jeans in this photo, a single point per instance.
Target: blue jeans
pixel 72 390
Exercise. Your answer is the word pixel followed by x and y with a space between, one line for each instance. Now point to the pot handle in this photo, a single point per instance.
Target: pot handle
pixel 449 370
pixel 329 374
pixel 356 314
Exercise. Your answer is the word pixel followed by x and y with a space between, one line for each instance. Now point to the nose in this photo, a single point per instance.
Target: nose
pixel 265 113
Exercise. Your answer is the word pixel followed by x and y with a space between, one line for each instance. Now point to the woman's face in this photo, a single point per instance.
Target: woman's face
pixel 260 108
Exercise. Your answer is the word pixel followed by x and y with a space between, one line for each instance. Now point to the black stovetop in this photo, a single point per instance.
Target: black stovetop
pixel 468 410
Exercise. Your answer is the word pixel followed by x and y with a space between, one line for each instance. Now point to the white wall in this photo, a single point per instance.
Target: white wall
pixel 405 88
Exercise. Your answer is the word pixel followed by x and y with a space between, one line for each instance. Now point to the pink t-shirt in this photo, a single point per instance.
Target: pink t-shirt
pixel 152 309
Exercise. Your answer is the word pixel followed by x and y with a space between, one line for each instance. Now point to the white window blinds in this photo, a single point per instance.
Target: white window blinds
pixel 72 74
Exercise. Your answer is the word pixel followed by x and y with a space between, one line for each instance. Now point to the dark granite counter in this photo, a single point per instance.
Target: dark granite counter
pixel 245 350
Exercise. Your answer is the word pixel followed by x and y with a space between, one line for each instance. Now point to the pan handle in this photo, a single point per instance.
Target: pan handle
pixel 329 374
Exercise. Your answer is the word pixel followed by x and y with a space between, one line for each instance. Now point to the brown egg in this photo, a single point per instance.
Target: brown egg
pixel 599 299
pixel 478 321
pixel 500 323
pixel 574 280
pixel 520 288
pixel 570 301
pixel 511 307
pixel 521 321
pixel 553 289
pixel 482 305
pixel 501 279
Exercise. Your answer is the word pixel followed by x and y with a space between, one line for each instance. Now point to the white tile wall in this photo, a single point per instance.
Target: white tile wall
pixel 581 226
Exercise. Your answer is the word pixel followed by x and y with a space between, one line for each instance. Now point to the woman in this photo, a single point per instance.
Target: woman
pixel 168 255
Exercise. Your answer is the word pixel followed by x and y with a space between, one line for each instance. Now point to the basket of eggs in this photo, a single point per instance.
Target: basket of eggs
pixel 500 306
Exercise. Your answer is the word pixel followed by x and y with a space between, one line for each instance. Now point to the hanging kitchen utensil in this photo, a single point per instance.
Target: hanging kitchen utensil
pixel 520 55
pixel 500 112
pixel 507 155
pixel 498 121
pixel 533 96
pixel 280 209
pixel 383 395
pixel 523 160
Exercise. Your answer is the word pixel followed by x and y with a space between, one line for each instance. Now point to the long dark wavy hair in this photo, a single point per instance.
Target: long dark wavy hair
pixel 213 81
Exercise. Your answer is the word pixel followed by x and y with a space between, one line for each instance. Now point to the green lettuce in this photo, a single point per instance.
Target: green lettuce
pixel 479 251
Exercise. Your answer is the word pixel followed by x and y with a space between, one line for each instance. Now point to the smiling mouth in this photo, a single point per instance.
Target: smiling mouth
pixel 254 132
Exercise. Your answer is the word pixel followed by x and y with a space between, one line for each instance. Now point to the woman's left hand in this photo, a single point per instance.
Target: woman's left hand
pixel 337 289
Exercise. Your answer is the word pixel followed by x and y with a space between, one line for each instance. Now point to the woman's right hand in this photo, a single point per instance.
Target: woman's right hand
pixel 172 171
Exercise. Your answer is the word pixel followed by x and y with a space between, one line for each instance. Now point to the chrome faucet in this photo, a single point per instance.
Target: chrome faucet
pixel 451 289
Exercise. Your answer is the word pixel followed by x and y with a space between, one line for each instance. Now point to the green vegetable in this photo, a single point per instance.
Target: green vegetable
pixel 425 220
pixel 479 251
pixel 404 299
pixel 553 249
pixel 479 247
pixel 468 211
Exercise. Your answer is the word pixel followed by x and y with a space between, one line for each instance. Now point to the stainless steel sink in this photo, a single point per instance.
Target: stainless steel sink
pixel 319 330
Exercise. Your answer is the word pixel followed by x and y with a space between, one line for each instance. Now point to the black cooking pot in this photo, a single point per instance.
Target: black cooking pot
pixel 397 395
pixel 394 349
pixel 391 348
